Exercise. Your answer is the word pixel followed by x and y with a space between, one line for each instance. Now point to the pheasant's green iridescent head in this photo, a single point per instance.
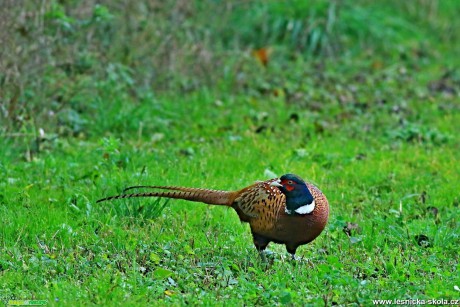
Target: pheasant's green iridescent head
pixel 299 199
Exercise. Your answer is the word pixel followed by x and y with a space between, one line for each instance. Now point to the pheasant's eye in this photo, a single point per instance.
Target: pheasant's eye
pixel 290 182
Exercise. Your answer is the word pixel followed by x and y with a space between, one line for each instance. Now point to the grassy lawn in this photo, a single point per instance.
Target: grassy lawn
pixel 368 111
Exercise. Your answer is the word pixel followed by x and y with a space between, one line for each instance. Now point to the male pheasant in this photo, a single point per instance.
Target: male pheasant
pixel 283 210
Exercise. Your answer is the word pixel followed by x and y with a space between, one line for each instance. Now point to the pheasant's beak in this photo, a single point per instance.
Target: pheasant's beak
pixel 276 183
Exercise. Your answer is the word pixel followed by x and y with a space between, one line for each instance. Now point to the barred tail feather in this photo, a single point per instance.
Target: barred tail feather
pixel 159 187
pixel 212 197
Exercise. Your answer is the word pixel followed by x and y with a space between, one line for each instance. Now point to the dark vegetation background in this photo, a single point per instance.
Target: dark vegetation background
pixel 360 97
pixel 59 57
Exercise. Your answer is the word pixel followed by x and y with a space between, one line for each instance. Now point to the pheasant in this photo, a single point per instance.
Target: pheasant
pixel 284 210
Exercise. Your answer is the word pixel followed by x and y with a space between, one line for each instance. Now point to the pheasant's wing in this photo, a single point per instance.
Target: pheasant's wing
pixel 260 204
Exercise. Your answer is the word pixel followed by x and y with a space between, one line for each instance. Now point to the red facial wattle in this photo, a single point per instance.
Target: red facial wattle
pixel 288 185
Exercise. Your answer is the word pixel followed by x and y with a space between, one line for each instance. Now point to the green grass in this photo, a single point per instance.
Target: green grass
pixel 376 128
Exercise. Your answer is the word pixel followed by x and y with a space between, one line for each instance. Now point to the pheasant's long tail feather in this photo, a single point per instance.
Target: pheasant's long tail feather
pixel 213 197
pixel 159 187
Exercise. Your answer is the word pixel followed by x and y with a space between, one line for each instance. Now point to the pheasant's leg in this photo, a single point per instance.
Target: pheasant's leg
pixel 291 250
pixel 260 243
